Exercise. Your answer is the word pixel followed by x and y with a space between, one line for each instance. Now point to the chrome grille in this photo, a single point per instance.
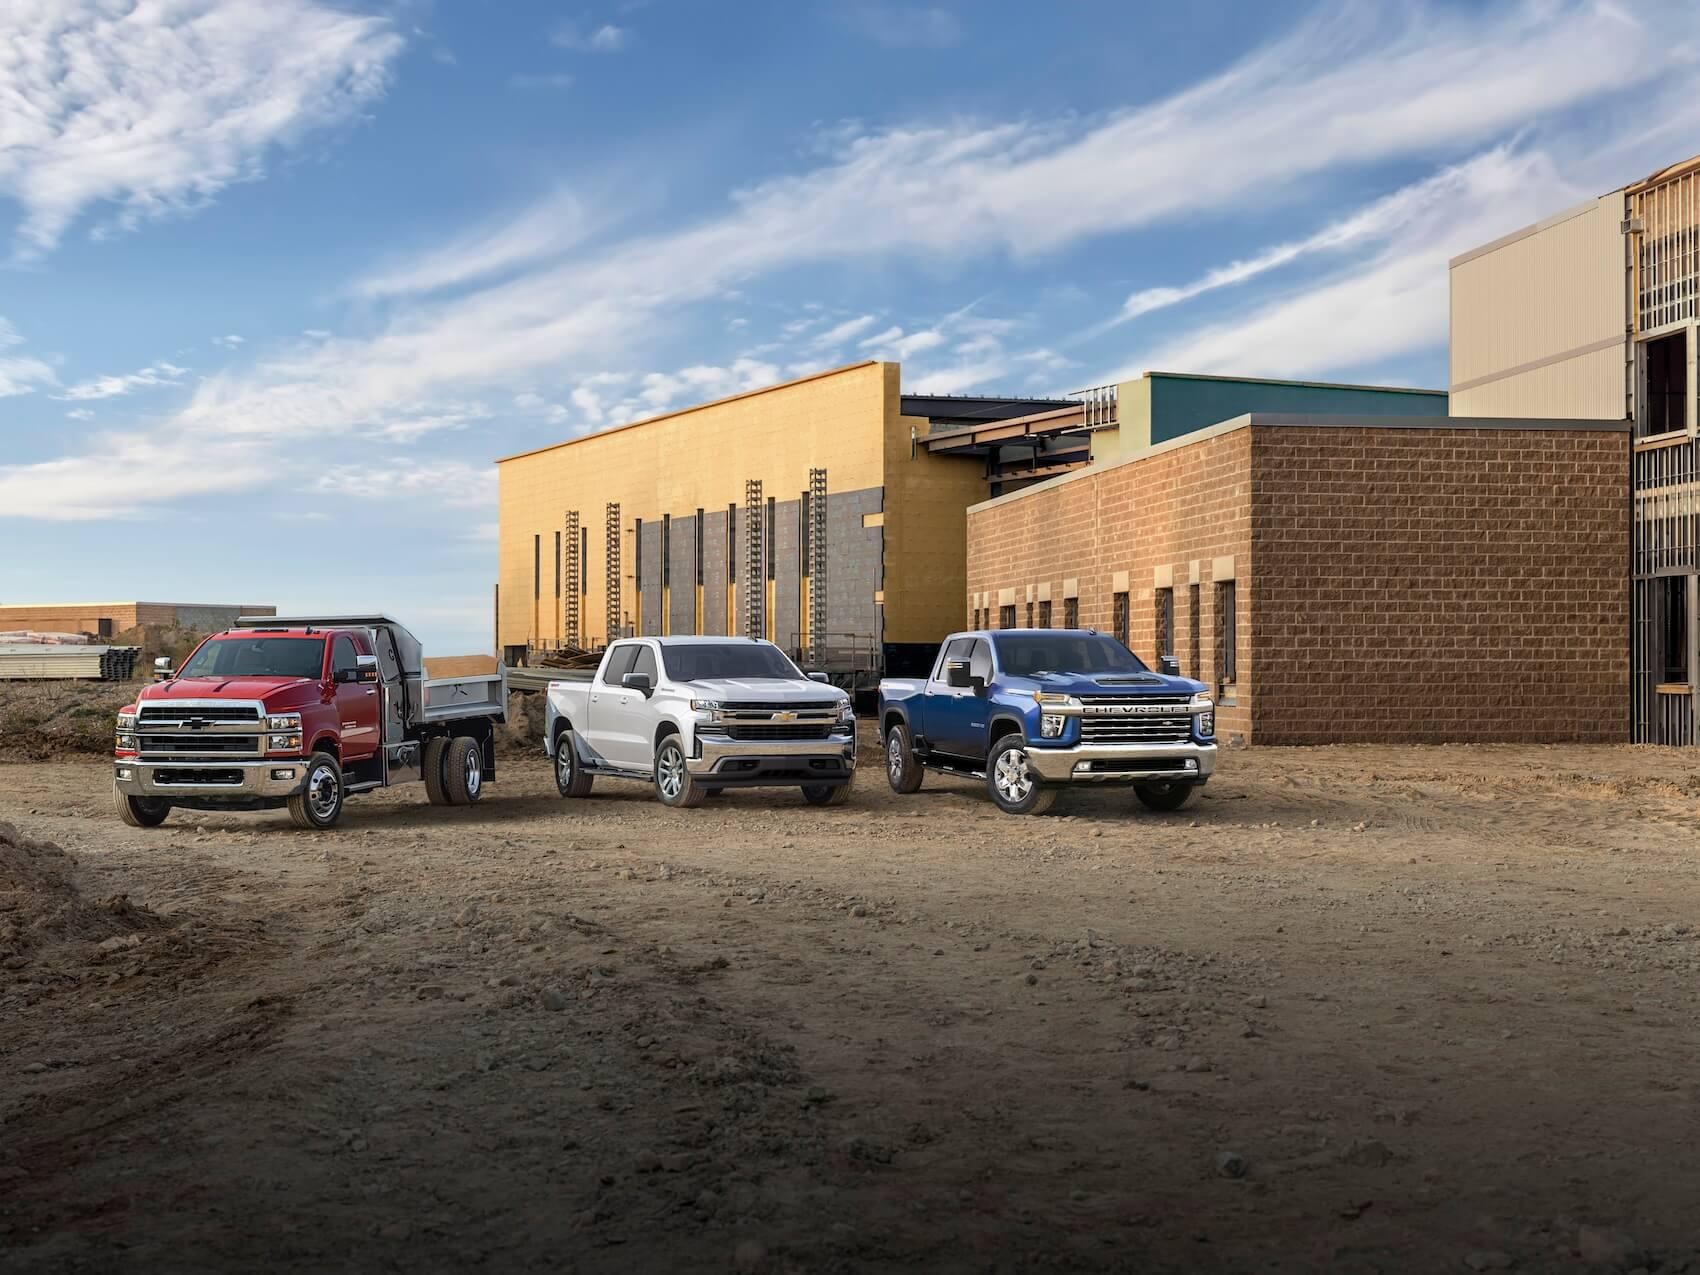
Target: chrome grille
pixel 799 706
pixel 777 730
pixel 1135 730
pixel 1117 701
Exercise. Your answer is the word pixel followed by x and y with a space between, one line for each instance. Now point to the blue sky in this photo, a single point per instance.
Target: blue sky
pixel 279 278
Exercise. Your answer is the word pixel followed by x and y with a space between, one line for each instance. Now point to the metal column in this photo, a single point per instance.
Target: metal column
pixel 817 567
pixel 755 562
pixel 570 573
pixel 613 584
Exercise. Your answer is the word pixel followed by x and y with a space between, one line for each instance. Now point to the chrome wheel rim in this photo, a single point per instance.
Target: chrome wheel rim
pixel 322 792
pixel 670 773
pixel 1014 781
pixel 474 772
pixel 563 762
pixel 894 758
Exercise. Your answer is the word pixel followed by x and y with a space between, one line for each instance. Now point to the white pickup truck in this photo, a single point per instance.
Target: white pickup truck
pixel 695 715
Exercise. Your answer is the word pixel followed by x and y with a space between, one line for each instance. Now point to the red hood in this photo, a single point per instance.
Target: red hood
pixel 274 692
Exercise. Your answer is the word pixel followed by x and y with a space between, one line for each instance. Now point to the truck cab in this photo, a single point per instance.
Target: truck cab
pixel 697 715
pixel 299 714
pixel 1031 710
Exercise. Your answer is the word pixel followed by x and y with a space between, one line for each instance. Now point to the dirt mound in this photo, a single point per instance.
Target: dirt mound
pixel 527 715
pixel 60 721
pixel 40 902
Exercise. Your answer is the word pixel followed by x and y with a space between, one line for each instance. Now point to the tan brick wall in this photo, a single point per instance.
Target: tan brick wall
pixel 1169 510
pixel 1397 585
pixel 1453 584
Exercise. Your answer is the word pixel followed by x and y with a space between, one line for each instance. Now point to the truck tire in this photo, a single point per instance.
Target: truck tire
pixel 1013 786
pixel 674 783
pixel 571 780
pixel 1164 794
pixel 463 771
pixel 140 812
pixel 431 762
pixel 319 803
pixel 902 770
pixel 826 794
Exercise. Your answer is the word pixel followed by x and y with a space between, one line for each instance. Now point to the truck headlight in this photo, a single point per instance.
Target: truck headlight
pixel 846 714
pixel 125 742
pixel 126 721
pixel 1051 697
pixel 283 743
pixel 284 721
pixel 1051 725
pixel 706 706
pixel 1205 708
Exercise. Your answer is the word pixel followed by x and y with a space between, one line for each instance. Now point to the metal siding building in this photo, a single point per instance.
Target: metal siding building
pixel 1593 313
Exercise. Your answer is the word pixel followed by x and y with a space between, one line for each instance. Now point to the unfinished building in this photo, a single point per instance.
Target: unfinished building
pixel 1592 313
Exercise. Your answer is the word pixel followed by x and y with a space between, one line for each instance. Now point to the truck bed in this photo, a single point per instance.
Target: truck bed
pixel 481 695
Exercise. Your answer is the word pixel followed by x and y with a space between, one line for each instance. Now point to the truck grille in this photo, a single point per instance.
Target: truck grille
pixel 197 744
pixel 1107 719
pixel 200 778
pixel 777 730
pixel 175 714
pixel 802 706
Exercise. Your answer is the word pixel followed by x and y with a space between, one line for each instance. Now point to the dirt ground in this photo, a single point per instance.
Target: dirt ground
pixel 1358 1009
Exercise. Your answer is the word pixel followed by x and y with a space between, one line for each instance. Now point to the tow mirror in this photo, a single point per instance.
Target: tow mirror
pixel 1169 665
pixel 365 668
pixel 820 677
pixel 162 668
pixel 956 674
pixel 639 682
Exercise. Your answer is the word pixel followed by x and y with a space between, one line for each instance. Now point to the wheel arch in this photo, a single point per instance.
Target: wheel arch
pixel 1003 724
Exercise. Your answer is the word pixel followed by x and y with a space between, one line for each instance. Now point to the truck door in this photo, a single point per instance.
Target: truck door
pixel 357 703
pixel 955 716
pixel 611 710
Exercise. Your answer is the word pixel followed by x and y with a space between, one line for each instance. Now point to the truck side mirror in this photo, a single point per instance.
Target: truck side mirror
pixel 956 674
pixel 820 677
pixel 639 682
pixel 1169 665
pixel 365 668
pixel 162 668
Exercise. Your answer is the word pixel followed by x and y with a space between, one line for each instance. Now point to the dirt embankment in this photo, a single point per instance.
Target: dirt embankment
pixel 55 721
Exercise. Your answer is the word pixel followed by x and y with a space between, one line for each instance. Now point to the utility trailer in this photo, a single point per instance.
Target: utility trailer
pixel 301 712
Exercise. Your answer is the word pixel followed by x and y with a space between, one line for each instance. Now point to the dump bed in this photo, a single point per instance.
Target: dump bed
pixel 481 695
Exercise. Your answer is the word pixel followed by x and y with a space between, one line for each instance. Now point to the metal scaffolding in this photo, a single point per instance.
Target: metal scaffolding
pixel 1666 496
pixel 570 571
pixel 613 585
pixel 817 567
pixel 755 559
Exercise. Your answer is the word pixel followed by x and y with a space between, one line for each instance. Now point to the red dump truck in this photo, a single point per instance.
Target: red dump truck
pixel 300 713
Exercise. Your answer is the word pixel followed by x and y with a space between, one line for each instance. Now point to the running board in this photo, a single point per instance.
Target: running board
pixel 365 785
pixel 956 770
pixel 609 772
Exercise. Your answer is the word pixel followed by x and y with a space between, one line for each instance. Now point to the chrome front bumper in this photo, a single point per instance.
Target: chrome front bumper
pixel 191 778
pixel 1056 765
pixel 713 752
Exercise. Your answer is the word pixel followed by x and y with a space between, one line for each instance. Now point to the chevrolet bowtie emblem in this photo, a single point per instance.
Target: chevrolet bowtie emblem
pixel 786 716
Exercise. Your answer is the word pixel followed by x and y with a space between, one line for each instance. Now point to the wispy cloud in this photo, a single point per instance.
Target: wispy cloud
pixel 155 108
pixel 839 333
pixel 114 386
pixel 230 342
pixel 21 374
pixel 588 38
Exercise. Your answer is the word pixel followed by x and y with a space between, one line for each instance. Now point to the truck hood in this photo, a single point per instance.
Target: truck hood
pixel 762 690
pixel 276 693
pixel 1107 684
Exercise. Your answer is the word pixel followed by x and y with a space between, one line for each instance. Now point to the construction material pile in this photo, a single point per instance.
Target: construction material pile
pixel 28 656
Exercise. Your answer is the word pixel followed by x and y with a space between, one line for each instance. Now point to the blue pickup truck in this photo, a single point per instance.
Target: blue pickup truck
pixel 1029 710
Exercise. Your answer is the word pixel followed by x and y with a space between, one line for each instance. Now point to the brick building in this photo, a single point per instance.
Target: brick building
pixel 1340 578
pixel 104 619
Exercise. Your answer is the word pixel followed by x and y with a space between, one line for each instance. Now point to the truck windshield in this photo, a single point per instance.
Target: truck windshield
pixel 257 657
pixel 1025 654
pixel 707 661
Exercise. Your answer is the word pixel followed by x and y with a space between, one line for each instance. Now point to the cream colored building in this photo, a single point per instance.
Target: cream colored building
pixel 817 490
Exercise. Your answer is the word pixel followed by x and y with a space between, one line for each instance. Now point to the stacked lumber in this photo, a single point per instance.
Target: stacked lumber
pixel 67 661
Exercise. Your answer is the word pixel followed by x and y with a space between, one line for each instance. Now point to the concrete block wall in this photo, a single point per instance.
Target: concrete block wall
pixel 1392 584
pixel 1419 585
pixel 714 552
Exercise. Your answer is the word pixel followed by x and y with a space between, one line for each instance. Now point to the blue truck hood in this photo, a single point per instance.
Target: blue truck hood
pixel 1104 684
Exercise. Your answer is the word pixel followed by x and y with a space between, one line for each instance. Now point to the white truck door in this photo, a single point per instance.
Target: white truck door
pixel 633 722
pixel 610 730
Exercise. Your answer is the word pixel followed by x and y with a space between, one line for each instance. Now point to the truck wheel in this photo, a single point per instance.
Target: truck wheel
pixel 463 771
pixel 319 805
pixel 1164 794
pixel 826 794
pixel 140 812
pixel 1014 788
pixel 673 781
pixel 431 762
pixel 570 777
pixel 902 770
